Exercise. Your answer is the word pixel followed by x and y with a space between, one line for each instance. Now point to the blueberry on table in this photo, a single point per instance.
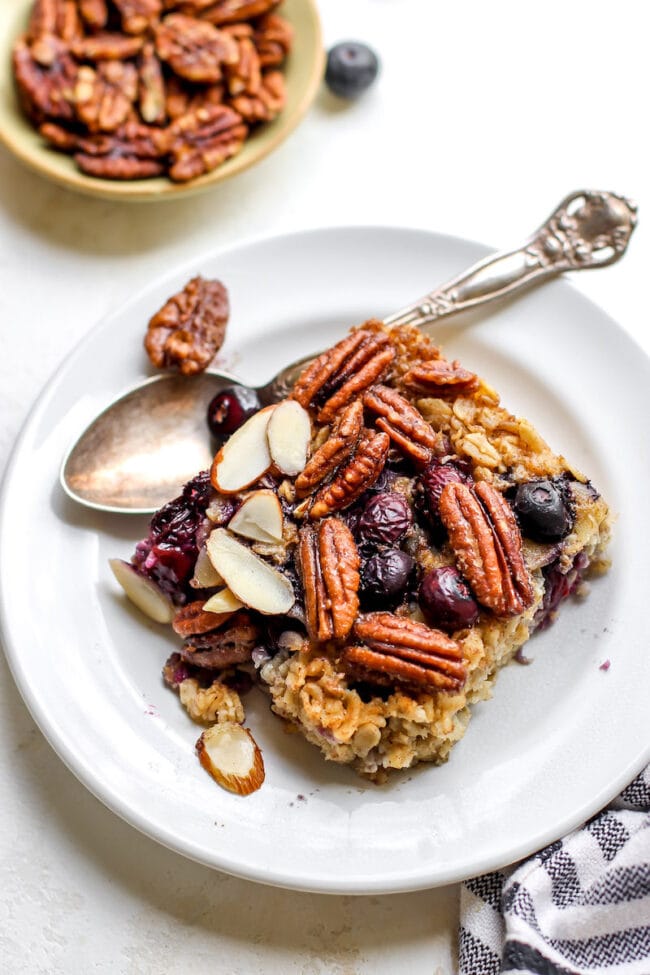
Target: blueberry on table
pixel 446 601
pixel 230 408
pixel 542 511
pixel 351 69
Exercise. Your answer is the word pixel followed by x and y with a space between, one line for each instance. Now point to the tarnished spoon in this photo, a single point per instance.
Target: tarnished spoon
pixel 136 455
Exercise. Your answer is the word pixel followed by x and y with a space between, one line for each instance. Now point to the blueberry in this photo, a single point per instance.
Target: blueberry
pixel 351 68
pixel 542 511
pixel 385 518
pixel 446 601
pixel 387 574
pixel 230 408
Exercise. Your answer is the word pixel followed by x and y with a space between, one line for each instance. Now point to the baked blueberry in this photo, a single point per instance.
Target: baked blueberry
pixel 387 574
pixel 351 69
pixel 446 601
pixel 385 518
pixel 543 514
pixel 230 408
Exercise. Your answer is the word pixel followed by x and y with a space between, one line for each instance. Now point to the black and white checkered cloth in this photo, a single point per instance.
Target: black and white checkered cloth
pixel 579 907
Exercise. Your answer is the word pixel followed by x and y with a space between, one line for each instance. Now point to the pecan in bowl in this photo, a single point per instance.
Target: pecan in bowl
pixel 118 67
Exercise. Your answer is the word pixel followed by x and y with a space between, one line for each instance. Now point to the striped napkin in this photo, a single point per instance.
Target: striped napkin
pixel 581 906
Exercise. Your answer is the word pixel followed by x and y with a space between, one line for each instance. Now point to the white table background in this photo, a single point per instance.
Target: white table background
pixel 485 116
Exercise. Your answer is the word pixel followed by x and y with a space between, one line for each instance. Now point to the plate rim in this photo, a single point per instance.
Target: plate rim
pixel 109 796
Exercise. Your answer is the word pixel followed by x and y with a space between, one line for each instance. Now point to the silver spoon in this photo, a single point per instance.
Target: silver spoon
pixel 138 453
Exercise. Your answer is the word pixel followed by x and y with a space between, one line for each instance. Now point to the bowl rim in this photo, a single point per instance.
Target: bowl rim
pixel 36 156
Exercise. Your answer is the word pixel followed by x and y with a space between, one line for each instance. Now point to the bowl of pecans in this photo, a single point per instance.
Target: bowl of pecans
pixel 153 99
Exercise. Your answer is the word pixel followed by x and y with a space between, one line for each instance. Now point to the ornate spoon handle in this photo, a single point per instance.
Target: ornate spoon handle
pixel 588 229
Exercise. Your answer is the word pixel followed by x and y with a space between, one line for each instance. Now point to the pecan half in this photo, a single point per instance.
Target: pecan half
pixel 94 13
pixel 189 328
pixel 138 15
pixel 233 644
pixel 104 98
pixel 129 153
pixel 442 378
pixel 45 75
pixel 192 619
pixel 245 74
pixel 264 104
pixel 151 87
pixel 487 544
pixel 183 99
pixel 399 650
pixel 106 47
pixel 203 139
pixel 273 40
pixel 335 451
pixel 193 49
pixel 329 563
pixel 231 11
pixel 355 477
pixel 57 17
pixel 343 372
pixel 405 426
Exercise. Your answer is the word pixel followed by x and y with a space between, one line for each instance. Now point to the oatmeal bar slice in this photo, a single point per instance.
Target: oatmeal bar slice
pixel 427 537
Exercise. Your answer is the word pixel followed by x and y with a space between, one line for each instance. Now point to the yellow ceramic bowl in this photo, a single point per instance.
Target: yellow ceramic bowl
pixel 303 72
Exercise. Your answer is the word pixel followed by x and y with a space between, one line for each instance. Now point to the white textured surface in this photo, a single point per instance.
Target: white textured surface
pixel 485 116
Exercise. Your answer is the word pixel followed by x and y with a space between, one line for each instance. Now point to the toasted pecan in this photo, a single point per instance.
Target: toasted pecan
pixel 405 426
pixel 441 378
pixel 355 477
pixel 399 650
pixel 329 563
pixel 487 544
pixel 335 451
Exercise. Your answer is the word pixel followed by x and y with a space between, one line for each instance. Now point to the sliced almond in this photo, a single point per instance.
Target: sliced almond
pixel 245 456
pixel 144 593
pixel 231 755
pixel 259 518
pixel 205 575
pixel 223 601
pixel 289 435
pixel 249 577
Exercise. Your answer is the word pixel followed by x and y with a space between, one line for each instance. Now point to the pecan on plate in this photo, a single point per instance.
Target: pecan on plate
pixel 193 49
pixel 329 563
pixel 355 477
pixel 131 152
pixel 193 620
pixel 273 40
pixel 487 544
pixel 189 328
pixel 441 378
pixel 405 425
pixel 264 104
pixel 104 97
pixel 231 11
pixel 94 13
pixel 232 644
pixel 138 15
pixel 400 651
pixel 201 140
pixel 342 373
pixel 335 451
pixel 45 75
pixel 151 87
pixel 245 74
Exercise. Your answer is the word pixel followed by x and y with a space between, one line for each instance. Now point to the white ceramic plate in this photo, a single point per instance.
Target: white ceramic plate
pixel 559 738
